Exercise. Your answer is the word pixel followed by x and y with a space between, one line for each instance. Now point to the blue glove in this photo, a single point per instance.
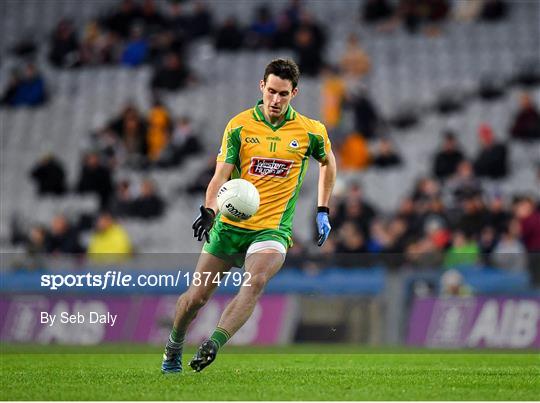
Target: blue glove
pixel 323 226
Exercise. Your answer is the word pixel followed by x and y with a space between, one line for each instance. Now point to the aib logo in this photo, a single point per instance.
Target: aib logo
pixel 252 140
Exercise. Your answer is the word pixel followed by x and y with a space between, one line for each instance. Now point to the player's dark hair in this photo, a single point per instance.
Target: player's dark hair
pixel 285 69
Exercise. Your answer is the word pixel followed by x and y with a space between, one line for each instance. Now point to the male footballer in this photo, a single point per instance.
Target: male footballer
pixel 269 146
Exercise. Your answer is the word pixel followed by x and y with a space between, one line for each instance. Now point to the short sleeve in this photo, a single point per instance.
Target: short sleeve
pixel 230 145
pixel 319 142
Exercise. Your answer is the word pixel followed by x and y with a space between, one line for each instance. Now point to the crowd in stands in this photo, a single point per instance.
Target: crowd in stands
pixel 26 87
pixel 427 16
pixel 141 142
pixel 430 230
pixel 448 219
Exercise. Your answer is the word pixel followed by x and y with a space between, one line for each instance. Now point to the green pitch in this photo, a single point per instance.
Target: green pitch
pixel 293 373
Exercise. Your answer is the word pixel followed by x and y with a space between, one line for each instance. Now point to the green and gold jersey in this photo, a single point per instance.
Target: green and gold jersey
pixel 274 159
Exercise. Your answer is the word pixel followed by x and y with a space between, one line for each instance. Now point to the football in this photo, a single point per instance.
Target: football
pixel 238 199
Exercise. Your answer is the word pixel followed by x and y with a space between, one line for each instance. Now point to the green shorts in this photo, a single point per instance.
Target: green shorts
pixel 231 243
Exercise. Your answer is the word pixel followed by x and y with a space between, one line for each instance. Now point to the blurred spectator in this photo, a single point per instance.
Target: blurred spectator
pixel 355 63
pixel 151 17
pixel 414 13
pixel 121 20
pixel 179 22
pixel 448 157
pixel 95 178
pixel 463 183
pixel 526 212
pixel 26 89
pixel 332 98
pixel 164 42
pixel 509 253
pixel 98 46
pixel 526 125
pixel 64 45
pixel 354 208
pixel 36 247
pixel 293 11
pixel 284 34
pixel 474 216
pixel 122 202
pixel 201 21
pixel 453 285
pixel 366 116
pixel 261 32
pixel 8 96
pixel 158 130
pixel 491 161
pixel 185 139
pixel 351 241
pixel 110 242
pixel 49 176
pixel 486 242
pixel 131 129
pixel 308 53
pixel 354 153
pixel 494 10
pixel 463 252
pixel 385 155
pixel 135 49
pixel 172 75
pixel 63 238
pixel 148 204
pixel 183 142
pixel 425 189
pixel 229 36
pixel 374 11
pixel 499 217
pixel 201 181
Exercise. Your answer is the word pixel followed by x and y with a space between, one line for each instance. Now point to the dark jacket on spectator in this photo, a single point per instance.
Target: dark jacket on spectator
pixel 148 207
pixel 67 242
pixel 49 176
pixel 492 162
pixel 530 232
pixel 446 163
pixel 96 180
pixel 387 161
pixel 526 125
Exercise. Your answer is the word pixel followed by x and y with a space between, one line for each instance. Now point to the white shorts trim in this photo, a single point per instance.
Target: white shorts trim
pixel 261 245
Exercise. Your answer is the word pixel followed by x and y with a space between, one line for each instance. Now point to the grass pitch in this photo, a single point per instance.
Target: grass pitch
pixel 294 373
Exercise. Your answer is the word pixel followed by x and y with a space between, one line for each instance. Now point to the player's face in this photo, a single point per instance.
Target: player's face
pixel 277 94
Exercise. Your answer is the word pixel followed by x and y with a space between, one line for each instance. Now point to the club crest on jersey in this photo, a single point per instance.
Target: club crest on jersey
pixel 294 147
pixel 270 167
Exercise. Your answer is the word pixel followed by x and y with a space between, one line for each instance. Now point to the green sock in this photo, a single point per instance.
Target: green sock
pixel 220 337
pixel 177 336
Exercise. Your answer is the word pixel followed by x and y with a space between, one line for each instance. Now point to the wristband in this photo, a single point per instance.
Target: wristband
pixel 323 209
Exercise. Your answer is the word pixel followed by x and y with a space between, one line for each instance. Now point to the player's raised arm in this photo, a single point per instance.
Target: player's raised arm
pixel 327 178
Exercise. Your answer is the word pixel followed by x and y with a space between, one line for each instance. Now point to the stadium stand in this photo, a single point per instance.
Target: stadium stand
pixel 409 72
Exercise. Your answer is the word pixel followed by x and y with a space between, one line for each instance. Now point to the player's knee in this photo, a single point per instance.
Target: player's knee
pixel 257 282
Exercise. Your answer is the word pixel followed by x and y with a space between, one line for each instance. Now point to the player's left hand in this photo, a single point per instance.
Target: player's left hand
pixel 203 223
pixel 323 226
